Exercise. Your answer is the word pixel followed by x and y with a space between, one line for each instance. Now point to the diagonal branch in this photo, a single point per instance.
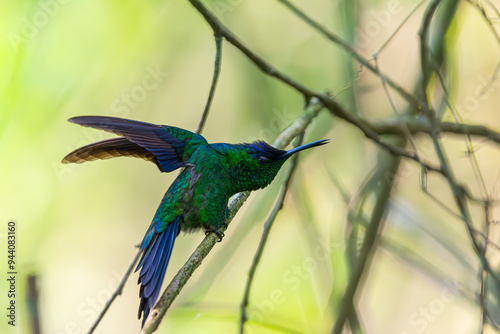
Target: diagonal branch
pixel 422 125
pixel 219 27
pixel 215 78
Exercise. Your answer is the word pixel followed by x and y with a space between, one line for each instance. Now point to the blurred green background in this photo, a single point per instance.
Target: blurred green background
pixel 153 61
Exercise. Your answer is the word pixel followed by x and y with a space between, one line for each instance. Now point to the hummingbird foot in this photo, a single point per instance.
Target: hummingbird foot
pixel 220 234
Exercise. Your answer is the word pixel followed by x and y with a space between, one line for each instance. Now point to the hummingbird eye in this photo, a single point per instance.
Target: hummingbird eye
pixel 263 160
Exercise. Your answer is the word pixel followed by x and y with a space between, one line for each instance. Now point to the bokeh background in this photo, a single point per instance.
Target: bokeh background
pixel 153 61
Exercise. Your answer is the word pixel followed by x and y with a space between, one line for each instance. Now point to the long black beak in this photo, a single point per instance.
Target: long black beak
pixel 306 146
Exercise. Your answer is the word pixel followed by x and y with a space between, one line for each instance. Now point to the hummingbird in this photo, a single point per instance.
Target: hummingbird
pixel 198 197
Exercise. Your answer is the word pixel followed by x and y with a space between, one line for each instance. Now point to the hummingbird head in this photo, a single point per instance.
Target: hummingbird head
pixel 258 163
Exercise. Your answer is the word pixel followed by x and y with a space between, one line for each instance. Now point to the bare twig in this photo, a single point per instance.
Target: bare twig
pixel 365 256
pixel 482 10
pixel 382 47
pixel 400 250
pixel 265 234
pixel 484 274
pixel 32 297
pixel 116 293
pixel 215 78
pixel 425 52
pixel 422 125
pixel 219 27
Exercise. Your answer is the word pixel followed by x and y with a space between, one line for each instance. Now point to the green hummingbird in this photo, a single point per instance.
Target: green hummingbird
pixel 198 197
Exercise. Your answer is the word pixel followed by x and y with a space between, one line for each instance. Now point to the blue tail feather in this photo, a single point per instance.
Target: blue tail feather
pixel 153 265
pixel 153 252
pixel 153 258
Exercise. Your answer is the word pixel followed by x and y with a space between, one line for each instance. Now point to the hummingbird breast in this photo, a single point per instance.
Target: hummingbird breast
pixel 200 193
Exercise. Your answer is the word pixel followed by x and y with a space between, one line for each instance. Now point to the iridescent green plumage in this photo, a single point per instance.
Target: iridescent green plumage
pixel 198 197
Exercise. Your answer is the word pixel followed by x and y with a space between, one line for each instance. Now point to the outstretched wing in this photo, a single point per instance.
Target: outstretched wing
pixel 110 148
pixel 166 146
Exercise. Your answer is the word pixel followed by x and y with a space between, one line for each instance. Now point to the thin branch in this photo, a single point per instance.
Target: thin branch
pixel 371 235
pixel 425 52
pixel 32 297
pixel 410 14
pixel 403 252
pixel 355 212
pixel 235 203
pixel 116 293
pixel 458 119
pixel 215 78
pixel 407 132
pixel 422 125
pixel 439 202
pixel 484 274
pixel 265 234
pixel 490 23
pixel 471 153
pixel 220 28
